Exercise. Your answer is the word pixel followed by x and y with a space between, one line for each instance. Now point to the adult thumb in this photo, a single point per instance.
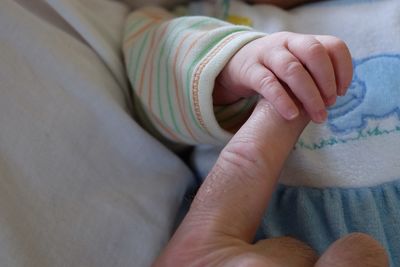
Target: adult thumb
pixel 354 250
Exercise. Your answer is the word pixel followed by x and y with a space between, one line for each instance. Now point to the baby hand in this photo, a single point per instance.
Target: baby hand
pixel 285 68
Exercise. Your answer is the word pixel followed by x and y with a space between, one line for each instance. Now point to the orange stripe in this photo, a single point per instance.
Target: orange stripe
pixel 197 73
pixel 153 15
pixel 146 65
pixel 150 96
pixel 172 136
pixel 192 45
pixel 132 38
pixel 179 89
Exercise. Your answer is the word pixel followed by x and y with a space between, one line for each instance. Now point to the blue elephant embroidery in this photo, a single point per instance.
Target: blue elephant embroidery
pixel 374 94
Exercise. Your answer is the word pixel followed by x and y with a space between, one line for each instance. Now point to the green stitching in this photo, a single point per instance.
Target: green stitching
pixel 336 141
pixel 247 105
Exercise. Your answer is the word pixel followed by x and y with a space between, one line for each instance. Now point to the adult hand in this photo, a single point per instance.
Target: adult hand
pixel 226 212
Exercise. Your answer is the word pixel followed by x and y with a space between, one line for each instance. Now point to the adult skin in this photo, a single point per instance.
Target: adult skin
pixel 226 212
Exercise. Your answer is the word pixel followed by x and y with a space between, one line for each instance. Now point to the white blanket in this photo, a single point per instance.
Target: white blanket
pixel 81 184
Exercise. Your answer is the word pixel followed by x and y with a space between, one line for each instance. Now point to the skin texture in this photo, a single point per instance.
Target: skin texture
pixel 284 67
pixel 228 207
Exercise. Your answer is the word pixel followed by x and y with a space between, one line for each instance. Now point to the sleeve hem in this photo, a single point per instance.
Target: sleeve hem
pixel 213 63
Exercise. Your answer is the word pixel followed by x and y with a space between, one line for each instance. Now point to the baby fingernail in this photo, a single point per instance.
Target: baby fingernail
pixel 321 116
pixel 330 101
pixel 342 91
pixel 292 113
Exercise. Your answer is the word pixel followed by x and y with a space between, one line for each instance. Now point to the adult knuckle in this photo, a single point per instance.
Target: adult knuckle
pixel 242 157
pixel 241 153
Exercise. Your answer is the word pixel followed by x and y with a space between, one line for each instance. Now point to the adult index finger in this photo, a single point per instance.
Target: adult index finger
pixel 235 194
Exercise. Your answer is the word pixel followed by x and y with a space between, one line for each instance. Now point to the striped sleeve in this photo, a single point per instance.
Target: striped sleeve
pixel 172 64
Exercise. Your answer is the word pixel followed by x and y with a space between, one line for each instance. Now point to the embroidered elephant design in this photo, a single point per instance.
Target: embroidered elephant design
pixel 374 94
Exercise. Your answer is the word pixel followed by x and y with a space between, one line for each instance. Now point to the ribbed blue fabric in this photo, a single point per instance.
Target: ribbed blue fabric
pixel 321 216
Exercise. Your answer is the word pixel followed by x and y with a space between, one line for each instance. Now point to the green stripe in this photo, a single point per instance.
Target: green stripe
pixel 177 31
pixel 133 26
pixel 230 109
pixel 220 110
pixel 173 45
pixel 247 105
pixel 130 58
pixel 160 111
pixel 140 51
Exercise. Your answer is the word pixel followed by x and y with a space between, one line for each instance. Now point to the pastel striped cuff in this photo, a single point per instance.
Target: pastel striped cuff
pixel 172 64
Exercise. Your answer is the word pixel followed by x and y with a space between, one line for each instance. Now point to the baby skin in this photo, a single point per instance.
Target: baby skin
pixel 288 69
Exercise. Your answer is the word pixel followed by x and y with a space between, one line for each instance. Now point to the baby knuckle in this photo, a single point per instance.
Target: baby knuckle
pixel 275 95
pixel 281 35
pixel 315 49
pixel 337 43
pixel 267 82
pixel 329 84
pixel 314 101
pixel 293 68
